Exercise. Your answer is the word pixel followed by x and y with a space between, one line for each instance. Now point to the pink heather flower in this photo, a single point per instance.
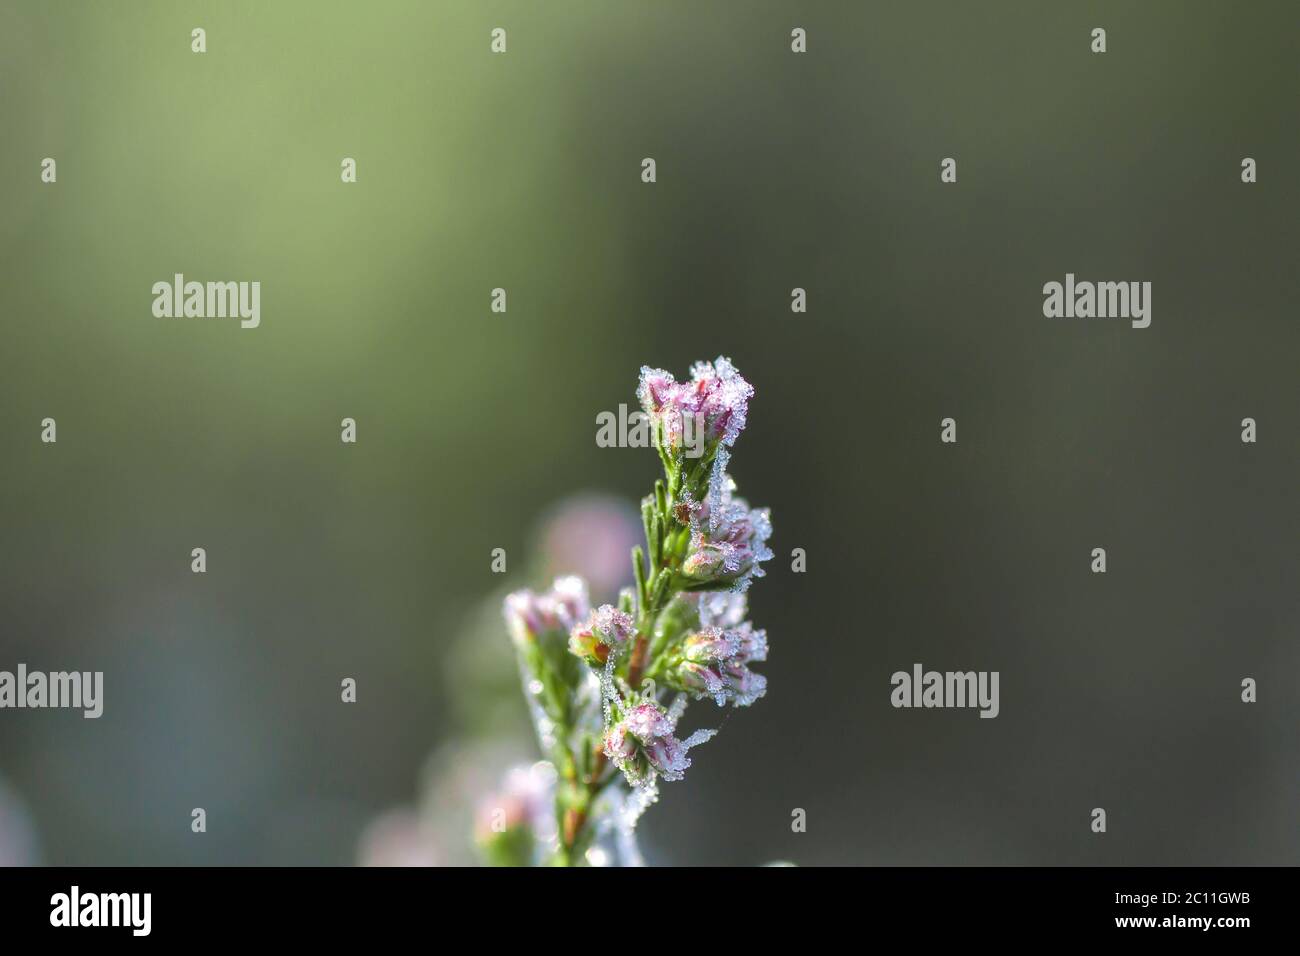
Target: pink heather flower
pixel 656 390
pixel 709 644
pixel 523 800
pixel 615 626
pixel 705 563
pixel 642 744
pixel 606 629
pixel 717 394
pixel 620 748
pixel 584 643
pixel 729 542
pixel 647 721
pixel 703 681
pixel 668 756
pixel 529 615
pixel 714 662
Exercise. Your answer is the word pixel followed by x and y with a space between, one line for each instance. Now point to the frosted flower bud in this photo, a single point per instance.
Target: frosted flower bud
pixel 705 563
pixel 717 396
pixel 727 548
pixel 709 644
pixel 642 744
pixel 615 626
pixel 606 629
pixel 721 395
pixel 625 752
pixel 585 644
pixel 656 390
pixel 702 681
pixel 667 755
pixel 647 721
pixel 620 748
pixel 713 664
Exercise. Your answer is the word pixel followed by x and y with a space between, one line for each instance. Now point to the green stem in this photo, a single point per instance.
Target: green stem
pixel 665 545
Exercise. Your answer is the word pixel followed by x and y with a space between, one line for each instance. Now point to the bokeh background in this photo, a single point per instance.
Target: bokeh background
pixel 775 170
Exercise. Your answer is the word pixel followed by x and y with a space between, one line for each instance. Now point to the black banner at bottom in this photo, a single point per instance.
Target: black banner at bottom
pixel 338 905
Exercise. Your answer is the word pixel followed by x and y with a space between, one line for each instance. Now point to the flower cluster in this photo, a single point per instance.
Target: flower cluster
pixel 713 663
pixel 642 745
pixel 598 680
pixel 716 398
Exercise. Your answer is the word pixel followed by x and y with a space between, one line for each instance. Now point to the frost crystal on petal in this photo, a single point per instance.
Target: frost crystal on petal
pixel 717 397
pixel 614 625
pixel 656 389
pixel 722 395
pixel 725 609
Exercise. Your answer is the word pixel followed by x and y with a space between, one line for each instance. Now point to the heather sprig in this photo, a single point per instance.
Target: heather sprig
pixel 608 686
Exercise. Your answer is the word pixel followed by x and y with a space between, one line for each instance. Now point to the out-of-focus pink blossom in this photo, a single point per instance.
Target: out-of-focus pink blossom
pixel 398 838
pixel 529 615
pixel 522 800
pixel 591 536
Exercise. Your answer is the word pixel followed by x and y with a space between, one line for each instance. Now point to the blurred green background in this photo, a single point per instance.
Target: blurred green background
pixel 775 170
